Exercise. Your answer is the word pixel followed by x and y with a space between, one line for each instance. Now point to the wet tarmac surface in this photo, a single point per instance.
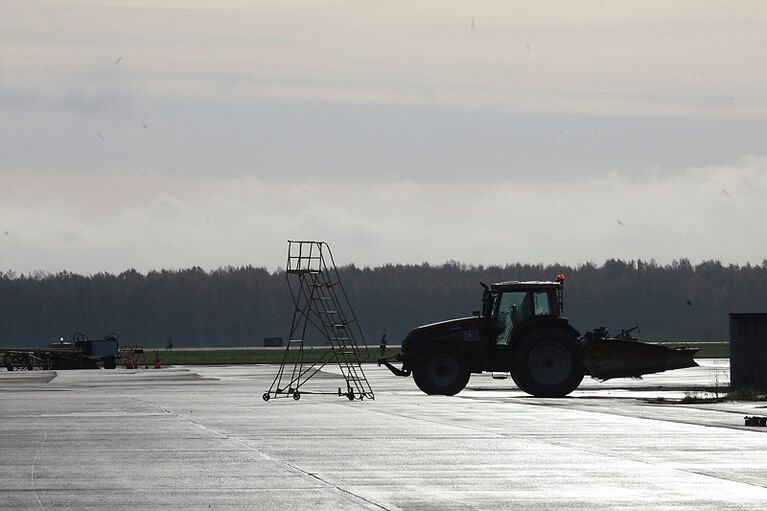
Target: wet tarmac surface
pixel 202 438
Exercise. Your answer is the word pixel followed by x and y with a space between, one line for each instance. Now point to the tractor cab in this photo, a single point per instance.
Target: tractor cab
pixel 509 305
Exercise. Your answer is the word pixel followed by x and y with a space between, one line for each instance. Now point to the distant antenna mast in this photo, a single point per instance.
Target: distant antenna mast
pixel 322 309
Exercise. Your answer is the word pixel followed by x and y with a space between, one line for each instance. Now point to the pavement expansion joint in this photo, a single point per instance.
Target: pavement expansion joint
pixel 358 499
pixel 34 466
pixel 584 408
pixel 722 478
pixel 581 448
pixel 334 486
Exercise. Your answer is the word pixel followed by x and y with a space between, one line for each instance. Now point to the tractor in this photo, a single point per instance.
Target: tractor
pixel 521 331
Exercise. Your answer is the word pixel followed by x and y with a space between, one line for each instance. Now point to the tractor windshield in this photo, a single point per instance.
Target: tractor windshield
pixel 515 307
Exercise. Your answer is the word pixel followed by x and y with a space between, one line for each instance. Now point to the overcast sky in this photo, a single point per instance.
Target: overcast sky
pixel 171 133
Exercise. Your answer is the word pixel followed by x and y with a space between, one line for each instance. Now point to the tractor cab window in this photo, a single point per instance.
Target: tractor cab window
pixel 511 311
pixel 515 307
pixel 542 305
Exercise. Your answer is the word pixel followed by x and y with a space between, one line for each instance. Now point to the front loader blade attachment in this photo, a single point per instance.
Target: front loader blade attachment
pixel 610 357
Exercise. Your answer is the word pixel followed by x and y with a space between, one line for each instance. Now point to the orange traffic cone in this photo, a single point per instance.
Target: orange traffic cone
pixel 129 363
pixel 157 360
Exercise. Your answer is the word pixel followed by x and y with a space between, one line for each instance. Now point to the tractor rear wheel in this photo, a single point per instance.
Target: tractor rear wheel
pixel 548 363
pixel 442 372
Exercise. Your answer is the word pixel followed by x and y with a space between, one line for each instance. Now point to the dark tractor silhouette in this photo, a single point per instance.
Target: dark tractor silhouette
pixel 521 330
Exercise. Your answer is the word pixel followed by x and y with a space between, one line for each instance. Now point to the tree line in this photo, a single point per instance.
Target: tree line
pixel 240 306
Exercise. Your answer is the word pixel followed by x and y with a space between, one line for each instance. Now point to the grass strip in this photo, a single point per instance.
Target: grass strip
pixel 249 356
pixel 706 349
pixel 313 354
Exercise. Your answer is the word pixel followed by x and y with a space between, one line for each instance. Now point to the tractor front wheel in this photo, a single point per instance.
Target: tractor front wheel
pixel 442 372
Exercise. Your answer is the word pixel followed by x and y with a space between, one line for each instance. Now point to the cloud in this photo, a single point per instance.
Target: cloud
pixel 683 60
pixel 272 140
pixel 369 90
pixel 167 222
pixel 420 132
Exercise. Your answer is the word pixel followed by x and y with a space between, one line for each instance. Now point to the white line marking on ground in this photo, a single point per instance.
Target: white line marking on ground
pixel 34 464
pixel 344 492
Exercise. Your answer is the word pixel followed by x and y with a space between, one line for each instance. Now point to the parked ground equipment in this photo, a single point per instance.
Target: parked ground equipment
pixel 521 330
pixel 322 314
pixel 78 353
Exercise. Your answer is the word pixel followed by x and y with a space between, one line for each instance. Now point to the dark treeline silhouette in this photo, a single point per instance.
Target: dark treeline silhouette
pixel 240 306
